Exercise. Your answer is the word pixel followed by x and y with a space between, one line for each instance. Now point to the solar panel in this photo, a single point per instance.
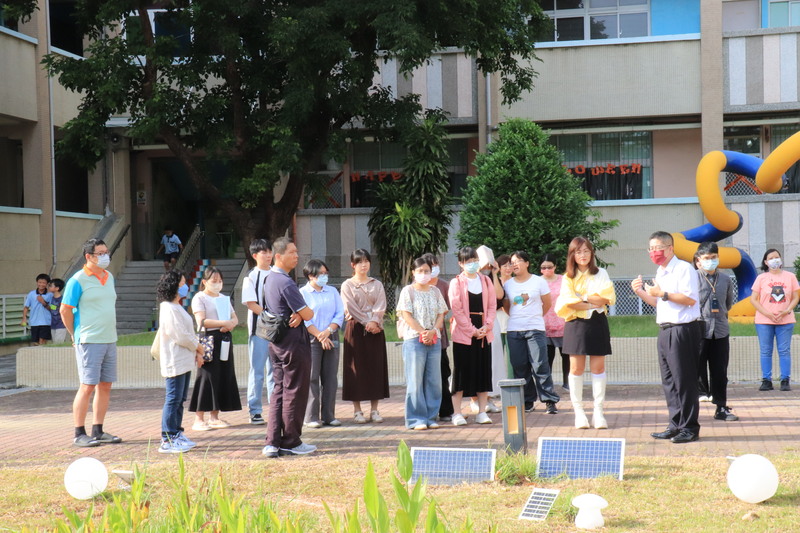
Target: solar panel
pixel 580 458
pixel 539 504
pixel 448 466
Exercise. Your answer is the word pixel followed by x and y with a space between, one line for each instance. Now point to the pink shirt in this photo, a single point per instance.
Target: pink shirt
pixel 554 324
pixel 775 292
pixel 461 328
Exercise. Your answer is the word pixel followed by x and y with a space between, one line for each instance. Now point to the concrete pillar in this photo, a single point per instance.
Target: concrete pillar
pixel 711 75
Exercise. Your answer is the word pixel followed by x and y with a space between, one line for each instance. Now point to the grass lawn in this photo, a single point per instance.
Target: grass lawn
pixel 657 494
pixel 621 326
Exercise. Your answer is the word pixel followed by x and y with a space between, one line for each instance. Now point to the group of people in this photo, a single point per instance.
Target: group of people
pixel 42 311
pixel 494 306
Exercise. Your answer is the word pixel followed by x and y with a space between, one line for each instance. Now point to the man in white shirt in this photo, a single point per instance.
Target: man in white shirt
pixel 675 295
pixel 258 348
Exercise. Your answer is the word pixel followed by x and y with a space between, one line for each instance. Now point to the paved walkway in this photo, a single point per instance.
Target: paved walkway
pixel 36 428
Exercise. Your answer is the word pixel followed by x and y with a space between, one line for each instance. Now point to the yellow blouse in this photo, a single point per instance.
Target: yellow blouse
pixel 575 290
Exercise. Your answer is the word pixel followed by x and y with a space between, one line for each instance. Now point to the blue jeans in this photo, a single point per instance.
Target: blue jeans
pixel 258 350
pixel 782 333
pixel 530 347
pixel 172 415
pixel 423 381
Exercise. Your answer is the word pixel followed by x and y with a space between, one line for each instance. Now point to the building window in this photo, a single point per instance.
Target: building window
pixel 165 24
pixel 65 33
pixel 374 163
pixel 11 178
pixel 783 13
pixel 576 20
pixel 746 140
pixel 7 22
pixel 780 133
pixel 611 166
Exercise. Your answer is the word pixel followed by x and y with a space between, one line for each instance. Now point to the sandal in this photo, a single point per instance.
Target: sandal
pixel 358 417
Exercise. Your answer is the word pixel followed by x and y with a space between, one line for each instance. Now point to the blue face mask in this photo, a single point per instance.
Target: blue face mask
pixel 472 267
pixel 183 291
pixel 709 265
pixel 322 280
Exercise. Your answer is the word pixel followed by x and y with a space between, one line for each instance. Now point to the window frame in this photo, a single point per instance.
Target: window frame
pixel 789 4
pixel 587 13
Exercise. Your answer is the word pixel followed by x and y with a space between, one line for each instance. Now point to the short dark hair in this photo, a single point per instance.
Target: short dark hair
pixel 167 286
pixel 431 259
pixel 167 228
pixel 466 253
pixel 503 259
pixel 522 254
pixel 260 245
pixel 90 245
pixel 418 262
pixel 58 283
pixel 662 236
pixel 764 266
pixel 707 247
pixel 281 244
pixel 313 267
pixel 359 255
pixel 548 257
pixel 44 277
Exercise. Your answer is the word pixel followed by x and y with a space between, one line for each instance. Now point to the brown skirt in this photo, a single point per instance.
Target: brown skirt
pixel 365 372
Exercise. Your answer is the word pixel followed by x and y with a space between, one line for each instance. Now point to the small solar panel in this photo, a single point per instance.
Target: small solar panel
pixel 580 458
pixel 448 466
pixel 539 504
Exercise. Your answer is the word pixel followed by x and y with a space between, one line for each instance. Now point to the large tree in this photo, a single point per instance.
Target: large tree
pixel 522 198
pixel 271 87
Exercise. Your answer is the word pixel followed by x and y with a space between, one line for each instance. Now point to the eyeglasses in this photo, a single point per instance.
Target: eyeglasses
pixel 658 248
pixel 98 254
pixel 548 268
pixel 515 263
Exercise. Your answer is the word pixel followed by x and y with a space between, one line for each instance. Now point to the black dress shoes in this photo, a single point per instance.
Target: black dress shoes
pixel 685 436
pixel 667 434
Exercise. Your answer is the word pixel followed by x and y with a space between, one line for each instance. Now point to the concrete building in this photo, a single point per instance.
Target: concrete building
pixel 636 87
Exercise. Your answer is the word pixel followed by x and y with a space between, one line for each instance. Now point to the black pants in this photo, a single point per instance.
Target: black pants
pixel 678 352
pixel 713 364
pixel 551 356
pixel 446 407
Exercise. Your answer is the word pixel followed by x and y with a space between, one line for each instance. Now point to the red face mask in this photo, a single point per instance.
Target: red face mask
pixel 658 257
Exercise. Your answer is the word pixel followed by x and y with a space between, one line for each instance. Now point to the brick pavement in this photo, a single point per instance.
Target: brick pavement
pixel 36 428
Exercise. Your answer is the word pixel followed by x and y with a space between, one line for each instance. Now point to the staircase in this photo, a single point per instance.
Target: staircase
pixel 136 290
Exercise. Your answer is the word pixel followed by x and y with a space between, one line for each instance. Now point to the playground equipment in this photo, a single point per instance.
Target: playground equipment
pixel 723 222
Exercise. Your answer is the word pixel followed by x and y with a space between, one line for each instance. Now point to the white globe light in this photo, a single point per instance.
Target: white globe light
pixel 753 478
pixel 85 478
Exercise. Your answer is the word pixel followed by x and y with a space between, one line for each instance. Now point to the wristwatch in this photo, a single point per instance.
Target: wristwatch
pixel 330 331
pixel 665 296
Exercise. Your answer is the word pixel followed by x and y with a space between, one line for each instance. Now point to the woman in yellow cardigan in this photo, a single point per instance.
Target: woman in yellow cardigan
pixel 586 290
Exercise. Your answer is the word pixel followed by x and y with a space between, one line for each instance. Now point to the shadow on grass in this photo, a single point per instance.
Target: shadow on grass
pixel 786 499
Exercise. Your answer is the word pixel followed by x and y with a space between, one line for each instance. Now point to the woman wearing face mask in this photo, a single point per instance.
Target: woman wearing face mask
pixel 328 309
pixel 215 388
pixel 775 295
pixel 179 354
pixel 586 290
pixel 422 308
pixel 365 370
pixel 474 303
pixel 554 324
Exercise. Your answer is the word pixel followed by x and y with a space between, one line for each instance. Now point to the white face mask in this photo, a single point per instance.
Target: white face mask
pixel 775 263
pixel 214 287
pixel 103 261
pixel 422 279
pixel 435 271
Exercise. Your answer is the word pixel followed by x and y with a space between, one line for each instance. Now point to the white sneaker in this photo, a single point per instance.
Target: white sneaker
pixel 300 449
pixel 173 447
pixel 376 417
pixel 270 451
pixel 705 398
pixel 359 418
pixel 183 439
pixel 483 418
pixel 313 424
pixel 474 407
pixel 433 425
pixel 459 420
pixel 491 407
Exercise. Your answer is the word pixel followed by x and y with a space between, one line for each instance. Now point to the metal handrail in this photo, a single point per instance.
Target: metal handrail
pixel 190 250
pixel 118 240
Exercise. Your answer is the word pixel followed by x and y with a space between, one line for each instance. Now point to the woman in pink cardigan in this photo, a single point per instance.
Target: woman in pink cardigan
pixel 474 304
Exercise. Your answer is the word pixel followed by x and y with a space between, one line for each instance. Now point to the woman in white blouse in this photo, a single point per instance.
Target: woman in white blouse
pixel 179 353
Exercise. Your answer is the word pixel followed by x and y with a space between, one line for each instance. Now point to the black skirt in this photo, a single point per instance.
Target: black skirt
pixel 215 388
pixel 472 363
pixel 587 336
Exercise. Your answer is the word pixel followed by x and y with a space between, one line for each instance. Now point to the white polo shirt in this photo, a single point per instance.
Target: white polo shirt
pixel 677 277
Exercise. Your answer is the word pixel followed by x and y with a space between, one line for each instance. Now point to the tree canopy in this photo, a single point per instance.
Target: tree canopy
pixel 522 198
pixel 271 88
